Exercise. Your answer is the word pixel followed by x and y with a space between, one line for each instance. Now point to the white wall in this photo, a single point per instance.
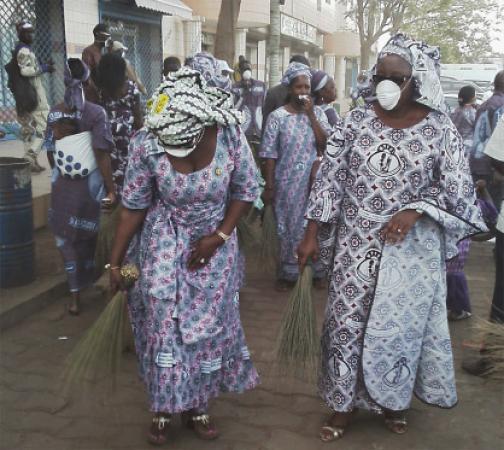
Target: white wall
pixel 80 19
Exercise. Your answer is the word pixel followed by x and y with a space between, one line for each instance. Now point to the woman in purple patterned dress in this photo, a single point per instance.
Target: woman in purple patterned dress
pixel 294 136
pixel 190 177
pixel 121 100
pixel 392 198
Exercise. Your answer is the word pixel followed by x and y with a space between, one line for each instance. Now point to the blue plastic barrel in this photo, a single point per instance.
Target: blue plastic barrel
pixel 17 261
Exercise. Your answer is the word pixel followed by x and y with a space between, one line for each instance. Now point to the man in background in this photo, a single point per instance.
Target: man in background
pixel 487 116
pixel 91 56
pixel 249 95
pixel 170 64
pixel 120 49
pixel 31 101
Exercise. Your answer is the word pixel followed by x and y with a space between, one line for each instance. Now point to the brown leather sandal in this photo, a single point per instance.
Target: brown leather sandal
pixel 158 433
pixel 201 424
pixel 397 424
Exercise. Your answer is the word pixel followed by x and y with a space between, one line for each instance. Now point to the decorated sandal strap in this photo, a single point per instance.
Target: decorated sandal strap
pixel 201 418
pixel 161 421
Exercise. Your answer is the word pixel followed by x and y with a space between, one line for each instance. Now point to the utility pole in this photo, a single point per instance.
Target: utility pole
pixel 274 43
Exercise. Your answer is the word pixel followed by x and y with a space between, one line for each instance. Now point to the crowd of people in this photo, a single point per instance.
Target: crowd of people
pixel 377 202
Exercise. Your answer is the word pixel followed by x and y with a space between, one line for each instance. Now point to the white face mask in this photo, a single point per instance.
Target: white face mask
pixel 179 152
pixel 388 94
pixel 247 75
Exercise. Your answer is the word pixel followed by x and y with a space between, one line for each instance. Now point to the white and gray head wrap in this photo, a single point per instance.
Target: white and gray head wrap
pixel 183 105
pixel 425 67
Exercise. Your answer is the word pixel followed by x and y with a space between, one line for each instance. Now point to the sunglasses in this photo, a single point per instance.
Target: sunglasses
pixel 397 80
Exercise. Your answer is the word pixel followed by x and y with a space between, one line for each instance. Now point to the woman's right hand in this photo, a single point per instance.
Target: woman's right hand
pixel 307 250
pixel 116 281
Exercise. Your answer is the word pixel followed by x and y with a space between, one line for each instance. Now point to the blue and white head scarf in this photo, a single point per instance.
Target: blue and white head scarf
pixel 294 70
pixel 211 70
pixel 424 61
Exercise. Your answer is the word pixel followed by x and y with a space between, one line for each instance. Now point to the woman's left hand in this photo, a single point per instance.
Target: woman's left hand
pixel 203 250
pixel 400 225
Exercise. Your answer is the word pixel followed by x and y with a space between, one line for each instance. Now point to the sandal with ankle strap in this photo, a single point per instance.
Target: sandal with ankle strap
pixel 201 424
pixel 161 423
pixel 329 433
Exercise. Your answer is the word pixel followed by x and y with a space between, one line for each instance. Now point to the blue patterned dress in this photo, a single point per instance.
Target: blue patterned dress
pixel 189 338
pixel 385 334
pixel 289 139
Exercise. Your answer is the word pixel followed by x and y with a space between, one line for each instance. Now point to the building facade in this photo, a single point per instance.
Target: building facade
pixel 155 29
pixel 315 28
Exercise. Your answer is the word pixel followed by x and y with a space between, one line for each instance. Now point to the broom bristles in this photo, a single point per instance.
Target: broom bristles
pixel 493 336
pixel 248 238
pixel 99 351
pixel 298 345
pixel 105 240
pixel 268 257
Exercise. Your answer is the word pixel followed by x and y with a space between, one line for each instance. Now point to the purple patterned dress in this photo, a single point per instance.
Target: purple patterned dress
pixel 120 113
pixel 74 214
pixel 189 338
pixel 385 333
pixel 289 139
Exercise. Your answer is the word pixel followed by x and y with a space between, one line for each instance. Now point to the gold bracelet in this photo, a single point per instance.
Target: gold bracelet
pixel 225 237
pixel 109 267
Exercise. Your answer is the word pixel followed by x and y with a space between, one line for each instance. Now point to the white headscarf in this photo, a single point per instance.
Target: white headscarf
pixel 183 105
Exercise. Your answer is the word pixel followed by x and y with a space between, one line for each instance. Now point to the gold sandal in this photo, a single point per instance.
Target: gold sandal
pixel 161 425
pixel 331 433
pixel 201 424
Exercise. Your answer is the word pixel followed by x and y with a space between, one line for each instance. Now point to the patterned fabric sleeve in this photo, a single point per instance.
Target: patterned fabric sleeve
pixel 243 184
pixel 452 188
pixel 101 133
pixel 328 189
pixel 271 138
pixel 450 199
pixel 323 121
pixel 138 179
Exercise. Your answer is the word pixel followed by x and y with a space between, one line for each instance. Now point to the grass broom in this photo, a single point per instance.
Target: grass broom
pixel 105 239
pixel 268 257
pixel 492 335
pixel 248 237
pixel 298 344
pixel 99 351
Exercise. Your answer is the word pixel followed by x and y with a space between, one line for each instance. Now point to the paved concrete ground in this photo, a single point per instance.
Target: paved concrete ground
pixel 281 414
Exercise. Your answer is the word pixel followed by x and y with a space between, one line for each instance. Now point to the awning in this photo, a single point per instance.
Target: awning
pixel 170 7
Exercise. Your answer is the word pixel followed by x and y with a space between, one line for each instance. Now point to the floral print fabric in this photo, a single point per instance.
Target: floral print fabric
pixel 371 171
pixel 187 327
pixel 120 113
